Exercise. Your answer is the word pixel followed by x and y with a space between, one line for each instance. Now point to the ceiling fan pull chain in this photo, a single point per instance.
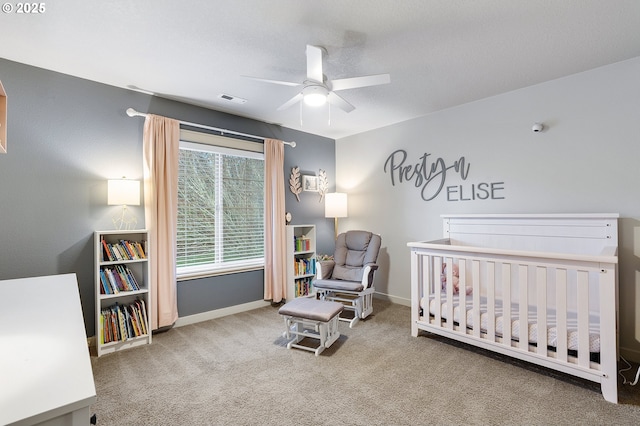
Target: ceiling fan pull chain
pixel 301 114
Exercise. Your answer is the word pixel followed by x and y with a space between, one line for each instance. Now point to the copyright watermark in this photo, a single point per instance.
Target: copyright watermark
pixel 24 8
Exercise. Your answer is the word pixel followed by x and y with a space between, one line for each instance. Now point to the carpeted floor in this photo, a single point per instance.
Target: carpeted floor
pixel 236 370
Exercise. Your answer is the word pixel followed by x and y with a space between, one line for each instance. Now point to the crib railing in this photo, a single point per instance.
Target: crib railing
pixel 574 294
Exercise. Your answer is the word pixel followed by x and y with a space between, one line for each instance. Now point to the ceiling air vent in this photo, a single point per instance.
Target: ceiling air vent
pixel 229 98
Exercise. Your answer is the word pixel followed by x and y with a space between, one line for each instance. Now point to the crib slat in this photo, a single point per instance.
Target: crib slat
pixel 541 309
pixel 449 287
pixel 416 281
pixel 506 303
pixel 583 318
pixel 561 314
pixel 424 278
pixel 523 314
pixel 462 271
pixel 475 277
pixel 436 270
pixel 491 301
pixel 426 283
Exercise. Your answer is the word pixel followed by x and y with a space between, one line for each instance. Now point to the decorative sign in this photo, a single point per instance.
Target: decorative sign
pixel 294 182
pixel 430 175
pixel 310 183
pixel 323 184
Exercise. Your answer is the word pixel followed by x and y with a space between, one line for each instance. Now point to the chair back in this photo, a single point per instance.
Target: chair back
pixel 354 251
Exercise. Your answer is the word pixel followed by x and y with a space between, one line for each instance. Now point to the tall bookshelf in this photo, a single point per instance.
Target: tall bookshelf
pixel 123 296
pixel 301 260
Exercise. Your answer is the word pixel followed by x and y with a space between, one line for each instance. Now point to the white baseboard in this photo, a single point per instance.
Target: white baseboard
pixel 204 316
pixel 630 354
pixel 392 299
pixel 218 313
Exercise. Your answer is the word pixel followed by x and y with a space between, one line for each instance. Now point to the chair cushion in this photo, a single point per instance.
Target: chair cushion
pixel 339 285
pixel 355 250
pixel 312 309
pixel 347 273
pixel 351 248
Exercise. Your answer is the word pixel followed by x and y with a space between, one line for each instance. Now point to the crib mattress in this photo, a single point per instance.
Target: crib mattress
pixel 552 331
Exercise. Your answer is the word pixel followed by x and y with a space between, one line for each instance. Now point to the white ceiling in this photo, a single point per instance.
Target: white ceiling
pixel 439 53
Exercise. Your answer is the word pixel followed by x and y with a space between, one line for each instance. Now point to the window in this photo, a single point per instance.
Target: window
pixel 220 205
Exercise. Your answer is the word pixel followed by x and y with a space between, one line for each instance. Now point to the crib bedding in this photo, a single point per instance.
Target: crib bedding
pixel 552 331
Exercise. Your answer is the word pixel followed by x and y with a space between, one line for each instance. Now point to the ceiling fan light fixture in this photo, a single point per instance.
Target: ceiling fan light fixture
pixel 317 90
pixel 315 96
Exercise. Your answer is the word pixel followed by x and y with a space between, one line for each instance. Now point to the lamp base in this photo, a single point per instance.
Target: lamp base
pixel 125 220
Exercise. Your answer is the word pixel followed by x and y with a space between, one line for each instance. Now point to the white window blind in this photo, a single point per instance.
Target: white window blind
pixel 220 206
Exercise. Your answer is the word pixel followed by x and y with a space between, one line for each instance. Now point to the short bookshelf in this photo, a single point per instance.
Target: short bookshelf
pixel 123 297
pixel 301 260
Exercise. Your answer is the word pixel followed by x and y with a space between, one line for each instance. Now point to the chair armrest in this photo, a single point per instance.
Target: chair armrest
pixel 367 275
pixel 324 269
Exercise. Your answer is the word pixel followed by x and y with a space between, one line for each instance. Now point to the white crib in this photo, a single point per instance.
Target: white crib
pixel 557 271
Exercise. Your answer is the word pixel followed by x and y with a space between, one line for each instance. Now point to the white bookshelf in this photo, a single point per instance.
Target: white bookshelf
pixel 301 260
pixel 122 290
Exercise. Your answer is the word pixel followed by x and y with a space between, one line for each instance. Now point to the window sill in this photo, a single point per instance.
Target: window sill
pixel 192 275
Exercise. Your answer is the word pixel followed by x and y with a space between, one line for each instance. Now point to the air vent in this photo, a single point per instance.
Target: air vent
pixel 229 98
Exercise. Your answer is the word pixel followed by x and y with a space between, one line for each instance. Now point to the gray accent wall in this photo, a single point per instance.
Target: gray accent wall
pixel 67 136
pixel 584 161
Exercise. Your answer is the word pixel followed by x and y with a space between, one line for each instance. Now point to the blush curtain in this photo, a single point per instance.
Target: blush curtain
pixel 274 235
pixel 161 143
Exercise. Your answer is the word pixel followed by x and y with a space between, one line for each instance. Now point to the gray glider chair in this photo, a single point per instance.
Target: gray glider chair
pixel 348 278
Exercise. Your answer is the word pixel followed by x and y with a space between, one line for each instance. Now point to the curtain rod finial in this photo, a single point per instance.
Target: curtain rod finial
pixel 131 112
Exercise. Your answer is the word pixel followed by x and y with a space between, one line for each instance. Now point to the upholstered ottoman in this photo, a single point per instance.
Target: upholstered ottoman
pixel 308 317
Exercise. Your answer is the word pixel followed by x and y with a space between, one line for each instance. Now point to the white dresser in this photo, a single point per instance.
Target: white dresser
pixel 45 368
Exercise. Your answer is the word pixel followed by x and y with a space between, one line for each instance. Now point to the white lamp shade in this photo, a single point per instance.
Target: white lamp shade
pixel 335 204
pixel 123 192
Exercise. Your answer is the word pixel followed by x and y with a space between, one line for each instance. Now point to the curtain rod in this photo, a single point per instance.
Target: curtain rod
pixel 133 113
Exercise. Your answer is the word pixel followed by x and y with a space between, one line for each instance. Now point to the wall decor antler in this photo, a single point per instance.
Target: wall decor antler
pixel 294 182
pixel 323 183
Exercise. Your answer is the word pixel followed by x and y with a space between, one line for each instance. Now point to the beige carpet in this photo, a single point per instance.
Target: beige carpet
pixel 236 370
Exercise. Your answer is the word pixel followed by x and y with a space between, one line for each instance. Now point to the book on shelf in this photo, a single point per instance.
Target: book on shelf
pixel 121 322
pixel 117 278
pixel 143 312
pixel 301 243
pixel 134 321
pixel 304 266
pixel 303 287
pixel 106 251
pixel 123 250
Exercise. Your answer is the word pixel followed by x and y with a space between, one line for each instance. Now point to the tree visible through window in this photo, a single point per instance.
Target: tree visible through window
pixel 220 210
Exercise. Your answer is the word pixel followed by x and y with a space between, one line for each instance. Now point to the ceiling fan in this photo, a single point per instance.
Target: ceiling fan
pixel 317 90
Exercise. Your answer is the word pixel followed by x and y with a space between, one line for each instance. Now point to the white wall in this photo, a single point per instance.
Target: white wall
pixel 586 160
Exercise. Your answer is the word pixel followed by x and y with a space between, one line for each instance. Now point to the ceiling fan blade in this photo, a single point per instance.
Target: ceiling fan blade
pixel 264 80
pixel 339 102
pixel 314 63
pixel 355 82
pixel 297 98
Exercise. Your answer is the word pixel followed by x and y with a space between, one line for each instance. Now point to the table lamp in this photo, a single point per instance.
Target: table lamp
pixel 123 192
pixel 335 206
